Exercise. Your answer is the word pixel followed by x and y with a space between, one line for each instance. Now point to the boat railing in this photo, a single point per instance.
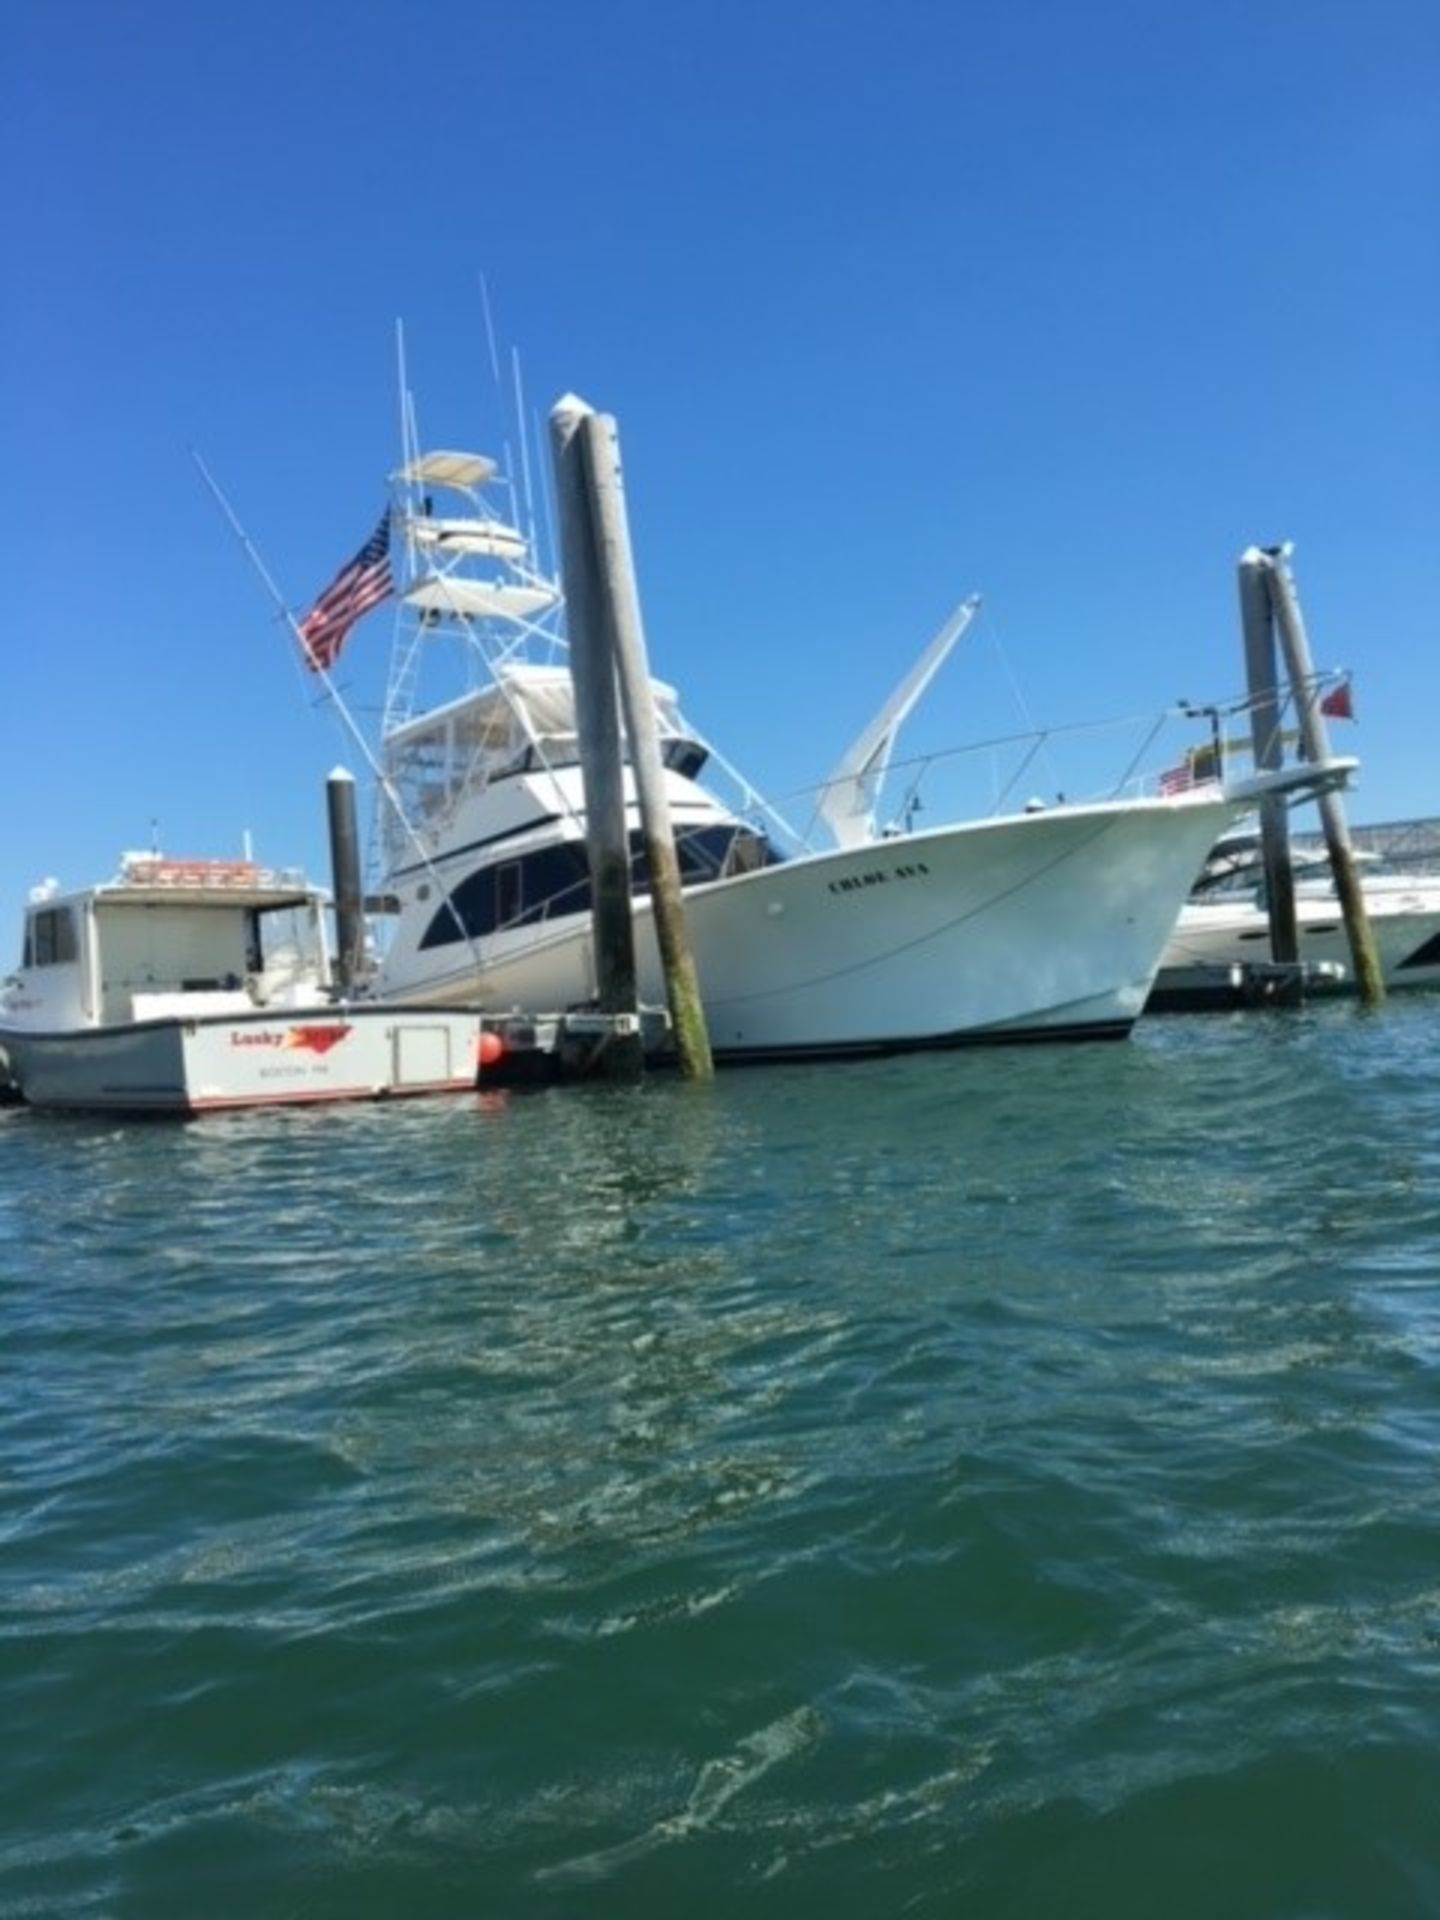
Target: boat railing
pixel 1011 772
pixel 1021 768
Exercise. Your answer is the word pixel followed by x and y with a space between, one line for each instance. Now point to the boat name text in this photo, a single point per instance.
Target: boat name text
pixel 853 882
pixel 308 1039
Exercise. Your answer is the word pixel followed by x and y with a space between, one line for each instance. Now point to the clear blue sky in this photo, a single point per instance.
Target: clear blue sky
pixel 1064 304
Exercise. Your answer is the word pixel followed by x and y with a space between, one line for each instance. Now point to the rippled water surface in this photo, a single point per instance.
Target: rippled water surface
pixel 999 1483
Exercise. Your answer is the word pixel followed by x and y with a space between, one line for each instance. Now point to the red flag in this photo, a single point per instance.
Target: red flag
pixel 1337 704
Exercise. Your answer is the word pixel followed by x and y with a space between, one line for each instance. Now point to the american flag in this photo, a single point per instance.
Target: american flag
pixel 362 583
pixel 1177 779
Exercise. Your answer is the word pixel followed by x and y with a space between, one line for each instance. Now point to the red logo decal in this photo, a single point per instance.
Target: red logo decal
pixel 315 1039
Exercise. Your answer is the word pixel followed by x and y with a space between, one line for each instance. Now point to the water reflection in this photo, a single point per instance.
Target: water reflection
pixel 858 1464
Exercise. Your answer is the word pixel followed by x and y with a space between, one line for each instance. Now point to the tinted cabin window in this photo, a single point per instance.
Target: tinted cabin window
pixel 707 853
pixel 50 940
pixel 507 893
pixel 544 885
pixel 555 881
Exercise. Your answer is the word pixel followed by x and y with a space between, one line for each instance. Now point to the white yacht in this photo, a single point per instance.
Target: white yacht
pixel 1029 925
pixel 186 985
pixel 1225 923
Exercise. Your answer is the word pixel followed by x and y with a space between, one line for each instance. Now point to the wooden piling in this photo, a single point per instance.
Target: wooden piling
pixel 597 721
pixel 1285 603
pixel 345 879
pixel 1262 682
pixel 620 600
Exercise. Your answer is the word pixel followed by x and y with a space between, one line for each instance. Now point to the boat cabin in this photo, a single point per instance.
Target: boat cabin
pixel 529 859
pixel 523 722
pixel 171 937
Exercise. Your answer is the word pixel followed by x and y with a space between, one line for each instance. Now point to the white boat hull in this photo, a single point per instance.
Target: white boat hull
pixel 1038 926
pixel 201 1064
pixel 1405 922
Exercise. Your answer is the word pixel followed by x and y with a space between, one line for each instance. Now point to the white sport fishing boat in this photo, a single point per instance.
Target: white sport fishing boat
pixel 1026 926
pixel 1224 927
pixel 182 986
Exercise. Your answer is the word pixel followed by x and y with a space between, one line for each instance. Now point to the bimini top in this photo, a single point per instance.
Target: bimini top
pixel 465 470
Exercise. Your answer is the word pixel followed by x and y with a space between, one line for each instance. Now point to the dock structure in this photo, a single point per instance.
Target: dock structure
pixel 345 881
pixel 1285 601
pixel 620 602
pixel 597 724
pixel 610 671
pixel 526 1050
pixel 1268 749
pixel 1236 985
pixel 1270 605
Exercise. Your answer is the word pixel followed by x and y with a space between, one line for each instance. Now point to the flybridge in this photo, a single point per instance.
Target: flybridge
pixel 475 598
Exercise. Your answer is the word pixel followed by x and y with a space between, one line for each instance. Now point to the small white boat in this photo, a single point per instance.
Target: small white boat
pixel 1225 923
pixel 182 986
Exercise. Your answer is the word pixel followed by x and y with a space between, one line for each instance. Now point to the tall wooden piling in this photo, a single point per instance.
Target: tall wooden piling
pixel 1262 682
pixel 597 721
pixel 1285 603
pixel 620 599
pixel 345 879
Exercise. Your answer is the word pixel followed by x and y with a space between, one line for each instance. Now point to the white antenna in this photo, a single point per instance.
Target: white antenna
pixel 403 394
pixel 547 508
pixel 524 449
pixel 490 331
pixel 506 459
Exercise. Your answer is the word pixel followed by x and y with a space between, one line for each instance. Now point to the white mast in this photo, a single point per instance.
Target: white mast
pixel 520 429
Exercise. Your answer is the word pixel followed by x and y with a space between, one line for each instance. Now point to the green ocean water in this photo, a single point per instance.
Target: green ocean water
pixel 996 1483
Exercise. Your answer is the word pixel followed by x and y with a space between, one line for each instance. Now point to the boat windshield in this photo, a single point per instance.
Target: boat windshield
pixel 524 720
pixel 553 881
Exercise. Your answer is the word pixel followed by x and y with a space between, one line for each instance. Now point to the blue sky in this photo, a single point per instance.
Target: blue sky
pixel 1063 304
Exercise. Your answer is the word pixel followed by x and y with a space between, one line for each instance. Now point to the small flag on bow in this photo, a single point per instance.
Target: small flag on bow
pixel 362 583
pixel 1199 768
pixel 1337 703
